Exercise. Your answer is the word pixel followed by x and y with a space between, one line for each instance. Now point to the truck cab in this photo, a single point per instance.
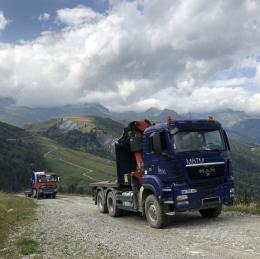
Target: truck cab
pixel 185 165
pixel 44 184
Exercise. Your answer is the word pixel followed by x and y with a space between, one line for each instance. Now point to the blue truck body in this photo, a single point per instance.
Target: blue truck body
pixel 175 178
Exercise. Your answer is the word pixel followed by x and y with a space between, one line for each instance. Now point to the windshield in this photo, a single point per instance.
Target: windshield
pixel 185 141
pixel 48 178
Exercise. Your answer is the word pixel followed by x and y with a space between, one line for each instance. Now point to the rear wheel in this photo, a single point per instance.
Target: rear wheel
pixel 113 210
pixel 101 202
pixel 38 195
pixel 154 212
pixel 211 213
pixel 34 193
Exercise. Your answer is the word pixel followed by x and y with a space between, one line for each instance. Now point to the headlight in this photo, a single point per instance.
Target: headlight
pixel 232 193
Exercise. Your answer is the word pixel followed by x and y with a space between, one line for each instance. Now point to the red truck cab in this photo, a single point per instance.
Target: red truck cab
pixel 44 185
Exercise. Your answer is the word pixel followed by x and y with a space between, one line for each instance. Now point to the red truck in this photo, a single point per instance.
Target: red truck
pixel 43 184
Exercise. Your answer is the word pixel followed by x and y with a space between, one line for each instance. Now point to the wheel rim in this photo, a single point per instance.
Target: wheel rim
pixel 152 212
pixel 100 203
pixel 110 204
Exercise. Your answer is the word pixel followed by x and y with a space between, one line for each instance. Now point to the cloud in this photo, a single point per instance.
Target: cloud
pixel 79 15
pixel 3 21
pixel 139 54
pixel 257 76
pixel 44 17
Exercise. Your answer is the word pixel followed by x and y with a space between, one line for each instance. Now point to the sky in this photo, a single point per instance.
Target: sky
pixel 187 55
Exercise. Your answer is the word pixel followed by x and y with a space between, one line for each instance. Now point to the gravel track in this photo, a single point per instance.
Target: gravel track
pixel 72 227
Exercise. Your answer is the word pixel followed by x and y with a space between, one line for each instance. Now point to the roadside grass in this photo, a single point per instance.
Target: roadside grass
pixel 14 212
pixel 27 245
pixel 251 208
pixel 75 168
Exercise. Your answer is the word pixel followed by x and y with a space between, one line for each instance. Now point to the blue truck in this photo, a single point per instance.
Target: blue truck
pixel 169 167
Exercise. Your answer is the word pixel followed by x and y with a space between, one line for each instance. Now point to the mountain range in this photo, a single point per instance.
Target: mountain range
pixel 238 123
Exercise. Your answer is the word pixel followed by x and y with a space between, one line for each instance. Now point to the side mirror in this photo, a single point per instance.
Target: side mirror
pixel 157 146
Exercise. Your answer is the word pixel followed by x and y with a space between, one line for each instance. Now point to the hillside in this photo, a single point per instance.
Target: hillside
pixel 18 157
pixel 76 169
pixel 227 117
pixel 246 162
pixel 84 133
pixel 247 130
pixel 21 115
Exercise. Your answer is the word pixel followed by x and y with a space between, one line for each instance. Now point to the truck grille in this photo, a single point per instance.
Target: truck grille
pixel 206 185
pixel 206 171
pixel 48 188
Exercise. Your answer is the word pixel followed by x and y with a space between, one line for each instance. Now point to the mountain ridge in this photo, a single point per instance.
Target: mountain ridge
pixel 21 115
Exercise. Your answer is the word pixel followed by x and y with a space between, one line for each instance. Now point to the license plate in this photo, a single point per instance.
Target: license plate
pixel 210 201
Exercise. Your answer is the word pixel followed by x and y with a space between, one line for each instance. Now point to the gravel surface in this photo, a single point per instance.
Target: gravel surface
pixel 72 227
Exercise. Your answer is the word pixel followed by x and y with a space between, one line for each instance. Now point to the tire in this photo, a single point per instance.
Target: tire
pixel 113 210
pixel 53 196
pixel 154 212
pixel 34 193
pixel 38 195
pixel 101 202
pixel 211 213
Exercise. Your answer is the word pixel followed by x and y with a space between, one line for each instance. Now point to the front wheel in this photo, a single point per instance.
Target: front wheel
pixel 211 213
pixel 154 212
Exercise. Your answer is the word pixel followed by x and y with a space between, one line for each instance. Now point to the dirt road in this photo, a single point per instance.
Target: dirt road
pixel 72 227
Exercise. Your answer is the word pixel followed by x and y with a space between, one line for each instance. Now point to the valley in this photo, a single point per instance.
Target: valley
pixel 77 169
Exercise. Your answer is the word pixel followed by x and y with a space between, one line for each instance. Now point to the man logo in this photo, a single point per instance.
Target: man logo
pixel 207 171
pixel 195 160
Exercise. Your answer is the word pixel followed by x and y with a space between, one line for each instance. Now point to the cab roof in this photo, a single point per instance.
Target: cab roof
pixel 185 125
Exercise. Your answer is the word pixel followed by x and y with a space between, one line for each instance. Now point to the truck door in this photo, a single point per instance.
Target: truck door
pixel 156 155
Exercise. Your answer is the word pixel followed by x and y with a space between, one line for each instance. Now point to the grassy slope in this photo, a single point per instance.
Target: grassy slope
pixel 89 123
pixel 14 212
pixel 251 208
pixel 85 168
pixel 246 162
pixel 41 127
pixel 92 122
pixel 18 157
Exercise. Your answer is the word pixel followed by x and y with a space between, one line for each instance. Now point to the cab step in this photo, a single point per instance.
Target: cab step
pixel 167 190
pixel 168 202
pixel 170 213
